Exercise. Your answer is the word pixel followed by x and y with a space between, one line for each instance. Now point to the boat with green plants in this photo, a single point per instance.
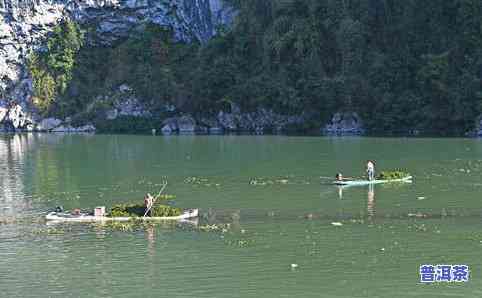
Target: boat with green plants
pixel 384 177
pixel 124 212
pixel 149 211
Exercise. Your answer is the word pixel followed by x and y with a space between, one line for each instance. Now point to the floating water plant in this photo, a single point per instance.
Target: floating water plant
pixel 239 242
pixel 395 174
pixel 166 197
pixel 200 181
pixel 138 210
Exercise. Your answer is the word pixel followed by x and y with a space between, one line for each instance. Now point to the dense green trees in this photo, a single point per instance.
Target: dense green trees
pixel 400 64
pixel 51 68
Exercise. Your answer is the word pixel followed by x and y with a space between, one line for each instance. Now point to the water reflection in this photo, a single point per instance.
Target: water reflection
pixel 371 201
pixel 12 159
pixel 370 198
pixel 151 239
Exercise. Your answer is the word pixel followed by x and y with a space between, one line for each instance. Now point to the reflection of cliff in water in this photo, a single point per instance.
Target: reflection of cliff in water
pixel 12 160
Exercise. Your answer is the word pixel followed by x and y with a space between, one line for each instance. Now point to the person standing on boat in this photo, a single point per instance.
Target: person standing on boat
pixel 148 201
pixel 370 170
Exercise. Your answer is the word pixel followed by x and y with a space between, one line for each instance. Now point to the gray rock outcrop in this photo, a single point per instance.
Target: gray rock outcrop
pixel 210 125
pixel 57 125
pixel 70 129
pixel 259 121
pixel 126 104
pixel 186 124
pixel 48 124
pixel 170 125
pixel 13 116
pixel 477 131
pixel 227 121
pixel 344 123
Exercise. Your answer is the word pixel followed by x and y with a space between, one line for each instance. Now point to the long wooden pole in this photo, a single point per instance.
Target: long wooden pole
pixel 149 208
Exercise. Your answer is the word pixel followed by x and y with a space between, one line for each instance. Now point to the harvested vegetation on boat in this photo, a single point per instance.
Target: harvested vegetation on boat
pixel 138 210
pixel 172 214
pixel 383 177
pixel 149 211
pixel 390 175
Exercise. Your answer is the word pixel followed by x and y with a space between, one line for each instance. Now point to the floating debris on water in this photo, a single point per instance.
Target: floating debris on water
pixel 285 180
pixel 357 221
pixel 240 242
pixel 200 181
pixel 258 181
pixel 215 227
pixel 421 198
pixel 417 215
pixel 294 266
pixel 48 231
pixel 336 224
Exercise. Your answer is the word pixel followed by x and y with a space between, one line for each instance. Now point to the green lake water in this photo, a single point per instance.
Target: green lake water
pixel 271 194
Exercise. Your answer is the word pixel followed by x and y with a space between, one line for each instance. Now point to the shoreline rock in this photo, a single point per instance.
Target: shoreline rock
pixel 343 124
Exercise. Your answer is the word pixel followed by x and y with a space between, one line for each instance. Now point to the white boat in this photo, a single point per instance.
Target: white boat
pixel 85 217
pixel 407 179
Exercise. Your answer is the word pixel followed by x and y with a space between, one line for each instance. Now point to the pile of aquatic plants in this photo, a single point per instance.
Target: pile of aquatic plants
pixel 165 210
pixel 137 210
pixel 395 174
pixel 166 197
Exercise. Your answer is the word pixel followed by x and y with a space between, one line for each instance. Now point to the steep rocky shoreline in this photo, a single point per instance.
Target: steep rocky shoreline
pixel 126 105
pixel 24 26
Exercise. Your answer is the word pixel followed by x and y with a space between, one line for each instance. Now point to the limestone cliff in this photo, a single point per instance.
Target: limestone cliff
pixel 25 23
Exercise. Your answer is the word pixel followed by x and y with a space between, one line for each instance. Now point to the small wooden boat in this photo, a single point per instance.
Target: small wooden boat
pixel 407 179
pixel 86 217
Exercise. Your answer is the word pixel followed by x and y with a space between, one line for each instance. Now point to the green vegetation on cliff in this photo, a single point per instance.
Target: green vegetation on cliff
pixel 401 65
pixel 51 68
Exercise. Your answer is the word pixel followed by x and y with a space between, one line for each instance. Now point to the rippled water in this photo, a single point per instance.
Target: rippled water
pixel 274 193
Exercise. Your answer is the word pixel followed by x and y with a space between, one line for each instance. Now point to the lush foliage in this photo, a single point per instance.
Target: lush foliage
pixel 136 210
pixel 51 69
pixel 149 61
pixel 400 64
pixel 395 174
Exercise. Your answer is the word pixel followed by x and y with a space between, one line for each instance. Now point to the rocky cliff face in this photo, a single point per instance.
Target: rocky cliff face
pixel 25 23
pixel 344 123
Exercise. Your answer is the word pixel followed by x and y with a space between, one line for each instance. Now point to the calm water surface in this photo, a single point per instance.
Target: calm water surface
pixel 274 192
